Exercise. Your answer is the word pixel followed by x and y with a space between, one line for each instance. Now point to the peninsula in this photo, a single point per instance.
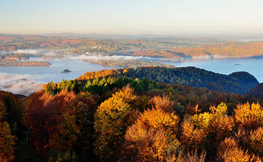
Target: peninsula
pixel 23 63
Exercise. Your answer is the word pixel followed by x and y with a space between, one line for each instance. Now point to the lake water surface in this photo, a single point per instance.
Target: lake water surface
pixel 227 66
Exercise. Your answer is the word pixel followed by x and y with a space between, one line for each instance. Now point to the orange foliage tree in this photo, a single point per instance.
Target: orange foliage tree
pixel 162 103
pixel 229 150
pixel 192 138
pixel 248 116
pixel 153 135
pixel 54 121
pixel 253 141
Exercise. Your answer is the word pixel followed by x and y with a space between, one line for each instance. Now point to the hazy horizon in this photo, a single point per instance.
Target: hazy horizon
pixel 230 37
pixel 132 18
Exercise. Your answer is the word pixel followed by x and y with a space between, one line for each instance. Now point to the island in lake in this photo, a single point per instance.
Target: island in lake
pixel 23 63
pixel 66 71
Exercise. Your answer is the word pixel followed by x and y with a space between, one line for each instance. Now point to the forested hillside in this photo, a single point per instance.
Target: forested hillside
pixel 238 82
pixel 256 92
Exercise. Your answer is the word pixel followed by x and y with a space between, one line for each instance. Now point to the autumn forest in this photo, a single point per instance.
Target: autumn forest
pixel 131 115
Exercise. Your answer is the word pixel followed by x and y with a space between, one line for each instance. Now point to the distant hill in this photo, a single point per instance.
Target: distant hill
pixel 101 42
pixel 256 92
pixel 238 82
pixel 212 51
pixel 101 36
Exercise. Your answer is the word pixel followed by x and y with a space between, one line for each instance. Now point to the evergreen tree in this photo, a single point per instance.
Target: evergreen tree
pixel 102 82
pixel 139 88
pixel 62 84
pixel 106 88
pixel 134 82
pixel 50 87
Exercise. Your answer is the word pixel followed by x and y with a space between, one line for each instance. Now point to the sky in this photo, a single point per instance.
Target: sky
pixel 131 16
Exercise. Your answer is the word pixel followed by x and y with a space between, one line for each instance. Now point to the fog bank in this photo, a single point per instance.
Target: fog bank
pixel 113 58
pixel 19 84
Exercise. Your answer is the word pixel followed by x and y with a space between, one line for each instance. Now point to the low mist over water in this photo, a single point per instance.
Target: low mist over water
pixel 17 84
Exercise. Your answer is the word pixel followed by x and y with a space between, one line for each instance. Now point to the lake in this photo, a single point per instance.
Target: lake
pixel 227 66
pixel 53 72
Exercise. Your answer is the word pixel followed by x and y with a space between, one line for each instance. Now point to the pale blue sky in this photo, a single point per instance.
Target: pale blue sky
pixel 131 16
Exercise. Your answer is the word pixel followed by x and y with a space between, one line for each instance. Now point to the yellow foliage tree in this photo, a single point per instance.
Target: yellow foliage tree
pixel 210 127
pixel 248 116
pixel 109 126
pixel 205 120
pixel 220 110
